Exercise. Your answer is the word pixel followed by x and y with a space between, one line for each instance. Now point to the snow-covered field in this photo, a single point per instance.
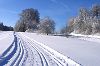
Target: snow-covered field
pixel 30 49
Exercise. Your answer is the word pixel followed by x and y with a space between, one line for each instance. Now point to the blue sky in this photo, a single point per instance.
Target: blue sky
pixel 59 10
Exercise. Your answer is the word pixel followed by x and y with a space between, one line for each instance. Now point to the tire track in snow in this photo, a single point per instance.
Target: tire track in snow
pixel 7 50
pixel 28 53
pixel 35 47
pixel 13 55
pixel 41 56
pixel 31 52
pixel 18 58
pixel 25 54
pixel 5 60
pixel 40 50
pixel 59 59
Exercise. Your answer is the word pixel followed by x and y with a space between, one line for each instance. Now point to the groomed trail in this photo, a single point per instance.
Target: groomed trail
pixel 24 51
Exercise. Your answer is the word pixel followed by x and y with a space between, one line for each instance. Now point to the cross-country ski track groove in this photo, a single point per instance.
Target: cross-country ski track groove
pixel 25 51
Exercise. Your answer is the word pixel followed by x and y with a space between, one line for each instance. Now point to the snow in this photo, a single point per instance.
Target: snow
pixel 82 51
pixel 6 39
pixel 92 38
pixel 54 54
pixel 31 49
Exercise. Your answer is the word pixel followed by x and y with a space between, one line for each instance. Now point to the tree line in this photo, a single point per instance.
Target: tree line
pixel 87 22
pixel 30 21
pixel 5 28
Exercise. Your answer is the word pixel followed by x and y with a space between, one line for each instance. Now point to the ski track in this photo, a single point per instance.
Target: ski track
pixel 47 57
pixel 26 52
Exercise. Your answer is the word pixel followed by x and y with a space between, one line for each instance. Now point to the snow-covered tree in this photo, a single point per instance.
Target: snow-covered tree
pixel 63 30
pixel 29 19
pixel 47 25
pixel 96 25
pixel 20 26
pixel 96 11
pixel 70 26
pixel 87 22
